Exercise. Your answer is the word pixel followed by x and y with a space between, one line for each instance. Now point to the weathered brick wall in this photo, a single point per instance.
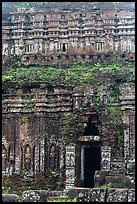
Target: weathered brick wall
pixel 38 124
pixel 68 31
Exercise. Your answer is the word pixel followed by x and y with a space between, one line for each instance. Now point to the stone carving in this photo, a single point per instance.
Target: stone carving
pixel 36 160
pixel 131 195
pixel 5 49
pixel 17 166
pixel 88 93
pixel 70 175
pixel 61 157
pixel 36 48
pixel 18 51
pixel 117 195
pixel 97 195
pixel 70 160
pixel 35 196
pixel 106 157
pixel 131 166
pixel 42 154
pixel 32 196
pixel 89 138
pixel 70 165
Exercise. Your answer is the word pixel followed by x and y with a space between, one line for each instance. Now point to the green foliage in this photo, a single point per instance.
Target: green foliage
pixel 115 113
pixel 6 78
pixel 16 184
pixel 8 6
pixel 24 119
pixel 96 101
pixel 67 123
pixel 103 186
pixel 75 75
pixel 69 126
pixel 116 126
pixel 63 200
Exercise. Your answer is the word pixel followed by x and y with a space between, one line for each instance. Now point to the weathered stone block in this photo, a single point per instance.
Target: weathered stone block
pixel 117 195
pixel 132 181
pixel 35 196
pixel 10 198
pixel 57 193
pixel 82 194
pixel 131 195
pixel 119 181
pixel 131 166
pixel 99 177
pixel 97 195
pixel 118 167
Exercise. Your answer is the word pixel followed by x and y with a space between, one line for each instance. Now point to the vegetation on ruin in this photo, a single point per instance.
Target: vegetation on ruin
pixel 119 183
pixel 63 200
pixel 76 75
pixel 104 186
pixel 24 119
pixel 9 6
pixel 16 184
pixel 110 75
pixel 68 126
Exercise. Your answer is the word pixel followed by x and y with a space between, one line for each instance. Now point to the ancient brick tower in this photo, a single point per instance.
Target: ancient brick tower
pixel 57 127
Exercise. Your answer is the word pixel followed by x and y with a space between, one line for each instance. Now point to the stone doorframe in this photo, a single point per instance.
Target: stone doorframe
pixel 70 165
pixel 105 150
pixel 70 159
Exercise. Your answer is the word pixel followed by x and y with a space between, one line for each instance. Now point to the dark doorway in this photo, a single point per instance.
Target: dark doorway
pixel 92 160
pixel 64 48
pixel 91 128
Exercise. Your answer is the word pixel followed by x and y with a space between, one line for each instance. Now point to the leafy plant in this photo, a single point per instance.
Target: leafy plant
pixel 63 200
pixel 75 75
pixel 6 78
pixel 103 186
pixel 24 119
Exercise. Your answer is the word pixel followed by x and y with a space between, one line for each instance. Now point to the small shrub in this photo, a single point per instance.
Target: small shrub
pixel 103 186
pixel 63 200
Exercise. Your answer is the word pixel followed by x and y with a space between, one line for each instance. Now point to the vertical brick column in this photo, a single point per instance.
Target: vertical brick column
pixel 105 157
pixel 70 166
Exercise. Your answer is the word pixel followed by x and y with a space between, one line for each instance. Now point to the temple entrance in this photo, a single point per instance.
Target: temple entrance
pixel 90 145
pixel 92 159
pixel 64 48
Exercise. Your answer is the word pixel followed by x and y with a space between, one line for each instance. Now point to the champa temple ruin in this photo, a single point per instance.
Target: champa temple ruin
pixel 58 128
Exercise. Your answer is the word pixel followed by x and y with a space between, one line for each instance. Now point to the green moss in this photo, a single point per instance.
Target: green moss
pixel 116 128
pixel 24 119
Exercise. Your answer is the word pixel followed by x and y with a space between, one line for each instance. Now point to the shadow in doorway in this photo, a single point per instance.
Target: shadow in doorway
pixel 92 160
